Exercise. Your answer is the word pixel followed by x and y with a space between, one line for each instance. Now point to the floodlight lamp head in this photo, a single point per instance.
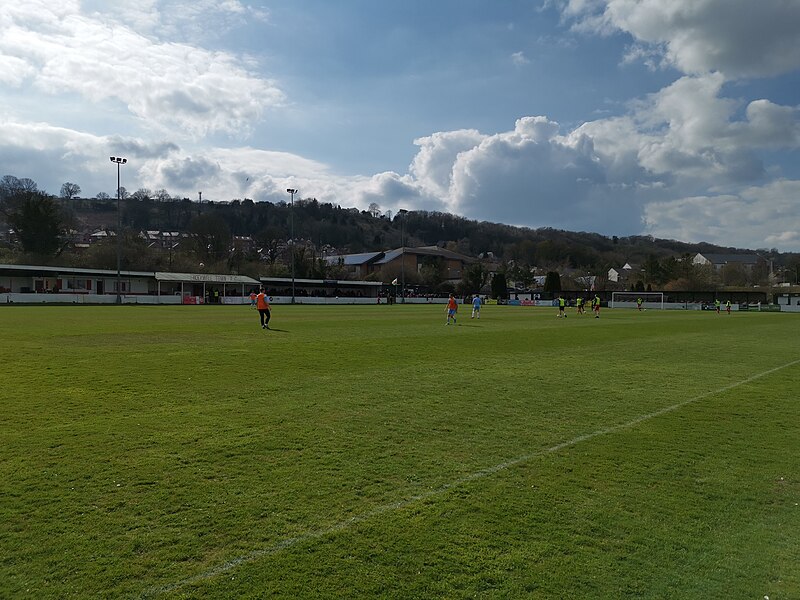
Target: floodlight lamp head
pixel 291 191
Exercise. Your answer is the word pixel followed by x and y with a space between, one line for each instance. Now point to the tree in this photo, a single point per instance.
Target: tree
pixel 653 272
pixel 374 209
pixel 11 186
pixel 733 274
pixel 473 278
pixel 702 277
pixel 552 282
pixel 70 190
pixel 135 255
pixel 499 286
pixel 141 195
pixel 211 235
pixel 303 261
pixel 36 220
pixel 432 273
pixel 793 268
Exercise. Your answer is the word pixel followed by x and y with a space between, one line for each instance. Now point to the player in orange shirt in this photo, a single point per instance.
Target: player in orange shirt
pixel 452 309
pixel 262 304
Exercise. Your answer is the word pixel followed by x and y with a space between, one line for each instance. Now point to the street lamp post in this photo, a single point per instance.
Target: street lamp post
pixel 402 212
pixel 119 161
pixel 292 191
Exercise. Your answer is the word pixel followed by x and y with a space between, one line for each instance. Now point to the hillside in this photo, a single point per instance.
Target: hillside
pixel 348 230
pixel 252 238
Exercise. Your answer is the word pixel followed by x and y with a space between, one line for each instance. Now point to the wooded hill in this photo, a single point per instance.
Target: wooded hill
pixel 349 230
pixel 251 237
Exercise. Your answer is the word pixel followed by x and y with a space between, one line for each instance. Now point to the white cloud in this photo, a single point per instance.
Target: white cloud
pixel 761 217
pixel 686 161
pixel 687 135
pixel 74 156
pixel 175 87
pixel 532 176
pixel 178 19
pixel 770 126
pixel 519 59
pixel 606 175
pixel 739 38
pixel 13 71
pixel 696 136
pixel 432 167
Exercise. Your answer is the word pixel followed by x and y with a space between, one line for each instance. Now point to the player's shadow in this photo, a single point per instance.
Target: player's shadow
pixel 278 330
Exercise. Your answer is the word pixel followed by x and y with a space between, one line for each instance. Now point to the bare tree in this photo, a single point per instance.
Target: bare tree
pixel 141 195
pixel 70 190
pixel 10 185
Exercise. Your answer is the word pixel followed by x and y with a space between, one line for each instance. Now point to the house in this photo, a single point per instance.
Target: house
pixel 623 273
pixel 405 259
pixel 718 261
pixel 356 265
pixel 413 259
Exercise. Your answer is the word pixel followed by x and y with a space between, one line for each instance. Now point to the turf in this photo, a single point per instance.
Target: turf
pixel 375 452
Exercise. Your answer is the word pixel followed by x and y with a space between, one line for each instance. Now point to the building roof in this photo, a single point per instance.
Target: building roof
pixel 423 251
pixel 33 270
pixel 721 259
pixel 342 282
pixel 204 278
pixel 54 271
pixel 352 260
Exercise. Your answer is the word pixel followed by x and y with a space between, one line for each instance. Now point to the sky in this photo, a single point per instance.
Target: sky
pixel 678 119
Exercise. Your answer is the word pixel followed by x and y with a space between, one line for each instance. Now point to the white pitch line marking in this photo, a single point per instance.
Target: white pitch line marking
pixel 347 523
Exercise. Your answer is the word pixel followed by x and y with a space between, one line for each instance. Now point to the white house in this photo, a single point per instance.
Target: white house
pixel 718 261
pixel 623 273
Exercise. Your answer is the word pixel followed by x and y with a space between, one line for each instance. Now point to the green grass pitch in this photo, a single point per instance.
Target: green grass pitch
pixel 373 452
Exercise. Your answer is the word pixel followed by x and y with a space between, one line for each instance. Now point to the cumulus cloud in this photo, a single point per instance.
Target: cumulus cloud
pixel 684 162
pixel 610 174
pixel 432 167
pixel 224 173
pixel 763 217
pixel 687 134
pixel 391 189
pixel 175 86
pixel 67 152
pixel 533 176
pixel 739 38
